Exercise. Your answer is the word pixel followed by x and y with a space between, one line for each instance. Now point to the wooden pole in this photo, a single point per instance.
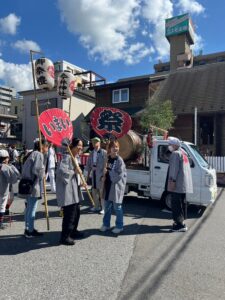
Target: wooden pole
pixel 81 175
pixel 39 135
pixel 159 129
pixel 70 106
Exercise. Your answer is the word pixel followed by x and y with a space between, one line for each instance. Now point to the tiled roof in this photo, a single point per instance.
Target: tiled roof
pixel 202 87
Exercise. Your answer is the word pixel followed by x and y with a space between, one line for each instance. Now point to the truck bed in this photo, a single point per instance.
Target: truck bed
pixel 138 177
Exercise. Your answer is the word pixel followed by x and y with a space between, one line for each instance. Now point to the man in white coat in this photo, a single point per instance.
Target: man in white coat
pixel 179 182
pixel 96 165
pixel 51 167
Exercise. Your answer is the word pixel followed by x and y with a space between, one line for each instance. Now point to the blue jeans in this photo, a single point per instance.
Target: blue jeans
pixel 118 209
pixel 30 213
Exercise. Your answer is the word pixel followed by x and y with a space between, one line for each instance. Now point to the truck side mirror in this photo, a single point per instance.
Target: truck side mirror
pixel 191 162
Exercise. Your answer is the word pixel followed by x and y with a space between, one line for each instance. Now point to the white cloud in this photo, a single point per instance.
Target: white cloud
pixel 110 29
pixel 155 12
pixel 18 76
pixel 198 45
pixel 191 6
pixel 9 24
pixel 106 27
pixel 25 46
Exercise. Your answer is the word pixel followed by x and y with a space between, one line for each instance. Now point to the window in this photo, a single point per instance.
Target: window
pixel 163 154
pixel 121 95
pixel 16 110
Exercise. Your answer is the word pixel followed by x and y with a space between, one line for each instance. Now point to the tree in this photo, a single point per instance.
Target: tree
pixel 159 114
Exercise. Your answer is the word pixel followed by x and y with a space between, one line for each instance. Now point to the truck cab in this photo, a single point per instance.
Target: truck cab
pixel 151 182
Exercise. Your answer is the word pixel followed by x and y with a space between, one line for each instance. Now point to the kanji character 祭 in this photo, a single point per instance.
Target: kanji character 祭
pixel 110 121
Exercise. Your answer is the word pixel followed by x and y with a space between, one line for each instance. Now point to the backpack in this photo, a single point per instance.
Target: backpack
pixel 11 151
pixel 26 186
pixel 25 157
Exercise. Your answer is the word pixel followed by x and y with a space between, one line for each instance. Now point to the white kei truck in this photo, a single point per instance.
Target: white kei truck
pixel 151 181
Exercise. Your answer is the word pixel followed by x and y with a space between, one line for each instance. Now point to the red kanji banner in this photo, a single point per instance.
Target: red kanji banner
pixel 56 126
pixel 108 120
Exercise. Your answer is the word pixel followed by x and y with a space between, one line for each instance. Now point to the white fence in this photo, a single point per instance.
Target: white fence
pixel 216 162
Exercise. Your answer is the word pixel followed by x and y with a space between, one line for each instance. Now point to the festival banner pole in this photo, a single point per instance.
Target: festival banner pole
pixel 70 106
pixel 39 135
pixel 81 175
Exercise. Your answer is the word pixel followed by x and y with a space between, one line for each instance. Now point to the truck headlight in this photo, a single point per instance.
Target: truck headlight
pixel 209 180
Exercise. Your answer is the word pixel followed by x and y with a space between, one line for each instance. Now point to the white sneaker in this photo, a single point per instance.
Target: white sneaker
pixel 117 230
pixel 102 212
pixel 104 228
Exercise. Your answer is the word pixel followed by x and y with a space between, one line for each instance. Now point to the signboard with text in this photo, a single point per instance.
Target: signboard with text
pixel 109 120
pixel 179 25
pixel 55 125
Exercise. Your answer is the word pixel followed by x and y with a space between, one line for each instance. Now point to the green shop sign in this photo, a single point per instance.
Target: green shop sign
pixel 177 25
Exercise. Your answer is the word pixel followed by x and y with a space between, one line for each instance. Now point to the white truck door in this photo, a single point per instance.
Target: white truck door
pixel 159 167
pixel 196 173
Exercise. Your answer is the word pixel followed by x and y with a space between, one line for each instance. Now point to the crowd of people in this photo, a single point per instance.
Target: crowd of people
pixel 105 171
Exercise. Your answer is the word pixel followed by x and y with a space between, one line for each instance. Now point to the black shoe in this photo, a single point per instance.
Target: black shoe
pixel 77 235
pixel 7 212
pixel 36 233
pixel 28 234
pixel 179 228
pixel 3 226
pixel 68 241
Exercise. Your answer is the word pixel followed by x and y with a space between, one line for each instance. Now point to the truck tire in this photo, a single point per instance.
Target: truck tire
pixel 166 201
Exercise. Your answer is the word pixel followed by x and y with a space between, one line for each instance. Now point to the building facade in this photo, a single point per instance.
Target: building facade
pixel 6 116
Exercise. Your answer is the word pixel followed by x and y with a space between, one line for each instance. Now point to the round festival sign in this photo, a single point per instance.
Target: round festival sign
pixel 108 120
pixel 56 126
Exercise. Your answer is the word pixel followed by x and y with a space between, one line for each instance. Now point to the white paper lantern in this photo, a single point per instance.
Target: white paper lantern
pixel 45 73
pixel 66 84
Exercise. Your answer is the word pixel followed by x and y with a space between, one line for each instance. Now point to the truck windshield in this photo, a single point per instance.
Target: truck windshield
pixel 199 157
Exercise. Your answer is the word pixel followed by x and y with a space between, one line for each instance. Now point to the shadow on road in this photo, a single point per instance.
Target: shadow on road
pixel 16 244
pixel 131 229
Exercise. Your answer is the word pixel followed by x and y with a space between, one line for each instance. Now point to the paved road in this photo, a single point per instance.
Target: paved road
pixel 174 266
pixel 145 262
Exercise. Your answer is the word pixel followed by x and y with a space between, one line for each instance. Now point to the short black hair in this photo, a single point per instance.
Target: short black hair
pixel 75 142
pixel 37 144
pixel 2 159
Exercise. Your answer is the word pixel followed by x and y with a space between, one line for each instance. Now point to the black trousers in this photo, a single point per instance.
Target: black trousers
pixel 179 207
pixel 71 217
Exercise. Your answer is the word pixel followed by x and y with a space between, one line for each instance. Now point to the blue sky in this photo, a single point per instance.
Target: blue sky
pixel 114 38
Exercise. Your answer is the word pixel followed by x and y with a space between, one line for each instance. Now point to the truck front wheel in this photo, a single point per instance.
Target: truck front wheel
pixel 167 200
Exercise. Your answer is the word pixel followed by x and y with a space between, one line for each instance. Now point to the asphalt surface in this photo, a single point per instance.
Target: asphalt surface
pixel 146 261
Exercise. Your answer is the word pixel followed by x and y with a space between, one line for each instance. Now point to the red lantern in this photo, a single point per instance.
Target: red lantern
pixel 56 126
pixel 45 73
pixel 110 121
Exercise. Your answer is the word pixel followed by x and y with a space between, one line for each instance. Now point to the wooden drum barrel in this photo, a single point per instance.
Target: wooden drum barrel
pixel 130 146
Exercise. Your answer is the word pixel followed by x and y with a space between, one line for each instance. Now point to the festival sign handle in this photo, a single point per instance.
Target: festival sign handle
pixel 56 126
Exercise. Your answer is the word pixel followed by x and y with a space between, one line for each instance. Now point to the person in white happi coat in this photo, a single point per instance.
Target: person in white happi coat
pixel 51 167
pixel 179 183
pixel 96 165
pixel 8 175
pixel 34 169
pixel 68 194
